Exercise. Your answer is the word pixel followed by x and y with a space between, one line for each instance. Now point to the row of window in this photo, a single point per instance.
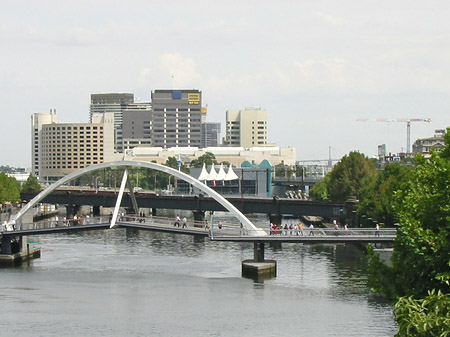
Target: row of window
pixel 63 128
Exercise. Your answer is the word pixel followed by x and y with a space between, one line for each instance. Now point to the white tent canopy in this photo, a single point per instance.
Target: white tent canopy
pixel 230 174
pixel 212 174
pixel 203 174
pixel 221 174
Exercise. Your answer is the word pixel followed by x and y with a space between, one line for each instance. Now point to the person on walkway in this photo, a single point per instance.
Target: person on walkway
pixel 271 230
pixel 377 230
pixel 56 221
pixel 311 230
pixel 300 228
pixel 336 228
pixel 220 224
pixel 177 221
pixel 184 223
pixel 296 229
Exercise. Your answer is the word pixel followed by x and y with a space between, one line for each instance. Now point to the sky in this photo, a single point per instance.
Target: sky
pixel 315 66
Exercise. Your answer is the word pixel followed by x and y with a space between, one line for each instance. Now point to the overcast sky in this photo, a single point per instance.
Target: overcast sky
pixel 315 66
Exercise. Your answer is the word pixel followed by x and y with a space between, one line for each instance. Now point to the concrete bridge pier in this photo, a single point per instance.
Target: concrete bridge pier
pixel 96 210
pixel 71 210
pixel 275 219
pixel 199 215
pixel 15 250
pixel 259 269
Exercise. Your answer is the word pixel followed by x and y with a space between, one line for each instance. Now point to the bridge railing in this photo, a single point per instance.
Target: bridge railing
pixel 165 222
pixel 325 232
pixel 53 223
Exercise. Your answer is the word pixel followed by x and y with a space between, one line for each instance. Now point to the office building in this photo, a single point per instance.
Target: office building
pixel 68 147
pixel 118 104
pixel 37 120
pixel 137 126
pixel 246 128
pixel 210 134
pixel 176 118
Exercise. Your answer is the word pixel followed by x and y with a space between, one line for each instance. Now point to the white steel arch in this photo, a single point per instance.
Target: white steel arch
pixel 220 199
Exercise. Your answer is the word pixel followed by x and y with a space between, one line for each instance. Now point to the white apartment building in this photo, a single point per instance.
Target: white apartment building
pixel 68 147
pixel 246 128
pixel 37 120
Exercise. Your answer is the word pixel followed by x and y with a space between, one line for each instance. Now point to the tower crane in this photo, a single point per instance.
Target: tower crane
pixel 404 120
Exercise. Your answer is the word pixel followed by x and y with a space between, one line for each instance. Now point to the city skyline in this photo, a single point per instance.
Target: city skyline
pixel 315 67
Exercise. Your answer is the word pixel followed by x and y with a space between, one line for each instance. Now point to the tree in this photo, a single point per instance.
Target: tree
pixel 208 159
pixel 9 189
pixel 349 175
pixel 377 196
pixel 173 163
pixel 31 185
pixel 319 190
pixel 421 257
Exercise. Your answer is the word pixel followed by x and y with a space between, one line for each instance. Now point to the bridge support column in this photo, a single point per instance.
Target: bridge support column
pixel 259 269
pixel 12 252
pixel 258 251
pixel 129 210
pixel 71 210
pixel 6 247
pixel 96 210
pixel 275 219
pixel 199 215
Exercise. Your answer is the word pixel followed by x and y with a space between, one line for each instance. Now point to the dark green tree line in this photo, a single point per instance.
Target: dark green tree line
pixel 419 278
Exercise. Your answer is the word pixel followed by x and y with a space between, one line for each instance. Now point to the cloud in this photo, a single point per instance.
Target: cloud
pixel 331 19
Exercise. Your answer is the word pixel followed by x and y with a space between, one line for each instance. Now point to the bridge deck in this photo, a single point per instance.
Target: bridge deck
pixel 231 233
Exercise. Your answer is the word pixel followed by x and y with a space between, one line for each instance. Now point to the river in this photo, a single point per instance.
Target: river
pixel 136 283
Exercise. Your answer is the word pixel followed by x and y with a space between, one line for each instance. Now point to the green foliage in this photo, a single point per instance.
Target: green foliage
pixel 377 197
pixel 285 171
pixel 349 175
pixel 208 159
pixel 9 189
pixel 31 185
pixel 420 273
pixel 173 163
pixel 427 317
pixel 319 190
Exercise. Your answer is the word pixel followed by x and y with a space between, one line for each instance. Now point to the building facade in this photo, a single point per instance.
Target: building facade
pixel 233 155
pixel 137 127
pixel 426 145
pixel 69 147
pixel 176 118
pixel 246 128
pixel 37 121
pixel 210 134
pixel 118 104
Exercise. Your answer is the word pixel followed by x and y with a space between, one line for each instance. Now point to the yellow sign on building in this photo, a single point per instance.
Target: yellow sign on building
pixel 194 98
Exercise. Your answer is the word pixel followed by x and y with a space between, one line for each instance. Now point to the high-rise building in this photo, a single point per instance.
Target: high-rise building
pixel 137 127
pixel 210 134
pixel 176 118
pixel 117 103
pixel 37 120
pixel 246 128
pixel 68 147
